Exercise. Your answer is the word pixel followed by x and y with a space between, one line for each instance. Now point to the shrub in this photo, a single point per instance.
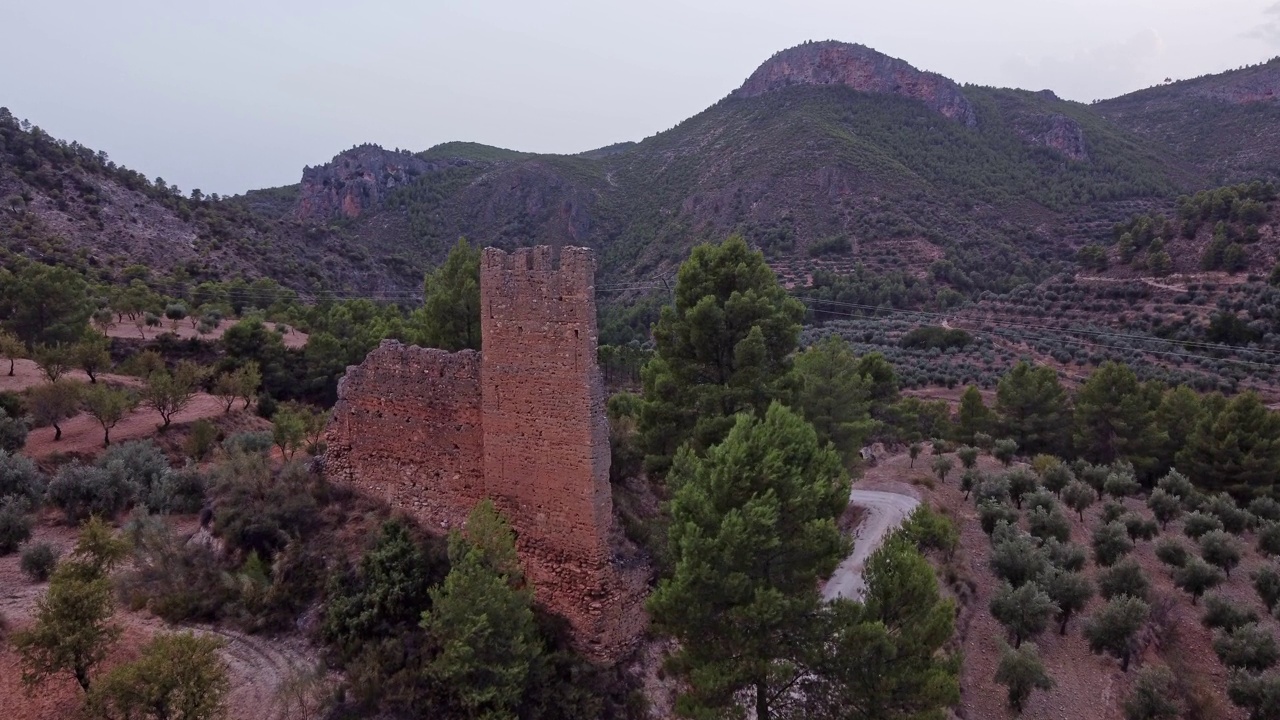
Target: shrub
pixel 929 530
pixel 175 580
pixel 1123 578
pixel 140 465
pixel 968 457
pixel 19 478
pixel 1177 484
pixel 258 510
pixel 1121 485
pixel 991 514
pixel 1221 548
pixel 15 524
pixel 1266 580
pixel 80 491
pixel 1196 576
pixel 1234 520
pixel 38 561
pixel 1154 695
pixel 181 492
pixel 1046 524
pixel 1110 543
pixel 1198 523
pixel 1221 613
pixel 248 443
pixel 1138 527
pixel 1250 647
pixel 13 432
pixel 1265 508
pixel 1172 552
pixel 201 439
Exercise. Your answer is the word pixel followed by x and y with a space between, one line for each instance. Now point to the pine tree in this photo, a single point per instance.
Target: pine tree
pixel 723 347
pixel 1114 417
pixel 450 314
pixel 974 416
pixel 1033 409
pixel 832 396
pixel 885 657
pixel 485 642
pixel 753 529
pixel 1235 448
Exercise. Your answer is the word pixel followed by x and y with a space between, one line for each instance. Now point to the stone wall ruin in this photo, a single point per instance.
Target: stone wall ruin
pixel 522 423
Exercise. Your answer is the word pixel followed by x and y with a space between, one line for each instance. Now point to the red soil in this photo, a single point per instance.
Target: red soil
pixel 257 666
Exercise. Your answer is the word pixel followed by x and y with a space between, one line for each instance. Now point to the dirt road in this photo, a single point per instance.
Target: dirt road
pixel 885 511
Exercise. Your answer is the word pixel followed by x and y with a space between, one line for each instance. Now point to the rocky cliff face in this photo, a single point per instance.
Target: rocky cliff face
pixel 357 180
pixel 861 68
pixel 1056 131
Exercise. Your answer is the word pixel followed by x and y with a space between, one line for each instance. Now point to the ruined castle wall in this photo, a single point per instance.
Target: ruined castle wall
pixel 524 425
pixel 407 428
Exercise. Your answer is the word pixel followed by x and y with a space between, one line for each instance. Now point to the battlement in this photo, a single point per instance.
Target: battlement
pixel 522 423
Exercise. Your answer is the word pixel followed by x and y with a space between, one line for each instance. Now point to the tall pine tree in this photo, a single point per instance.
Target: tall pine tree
pixel 753 530
pixel 723 347
pixel 1235 447
pixel 1033 409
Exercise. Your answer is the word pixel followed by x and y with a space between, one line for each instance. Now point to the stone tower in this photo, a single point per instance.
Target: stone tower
pixel 415 427
pixel 546 445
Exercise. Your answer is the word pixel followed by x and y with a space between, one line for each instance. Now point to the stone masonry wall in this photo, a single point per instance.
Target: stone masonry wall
pixel 523 424
pixel 546 448
pixel 407 429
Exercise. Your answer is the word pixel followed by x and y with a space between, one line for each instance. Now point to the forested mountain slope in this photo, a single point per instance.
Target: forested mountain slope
pixel 829 155
pixel 1224 125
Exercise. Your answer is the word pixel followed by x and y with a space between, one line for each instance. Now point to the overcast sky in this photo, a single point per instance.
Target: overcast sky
pixel 232 95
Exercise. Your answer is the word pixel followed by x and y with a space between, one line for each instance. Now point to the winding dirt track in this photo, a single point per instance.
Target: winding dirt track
pixel 885 512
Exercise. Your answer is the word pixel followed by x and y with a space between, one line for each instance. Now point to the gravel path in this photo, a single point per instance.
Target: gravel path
pixel 885 511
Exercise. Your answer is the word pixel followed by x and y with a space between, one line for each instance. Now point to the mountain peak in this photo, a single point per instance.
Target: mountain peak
pixel 861 68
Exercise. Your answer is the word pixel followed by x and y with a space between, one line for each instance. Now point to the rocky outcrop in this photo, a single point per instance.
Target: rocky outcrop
pixel 1056 131
pixel 358 180
pixel 861 68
